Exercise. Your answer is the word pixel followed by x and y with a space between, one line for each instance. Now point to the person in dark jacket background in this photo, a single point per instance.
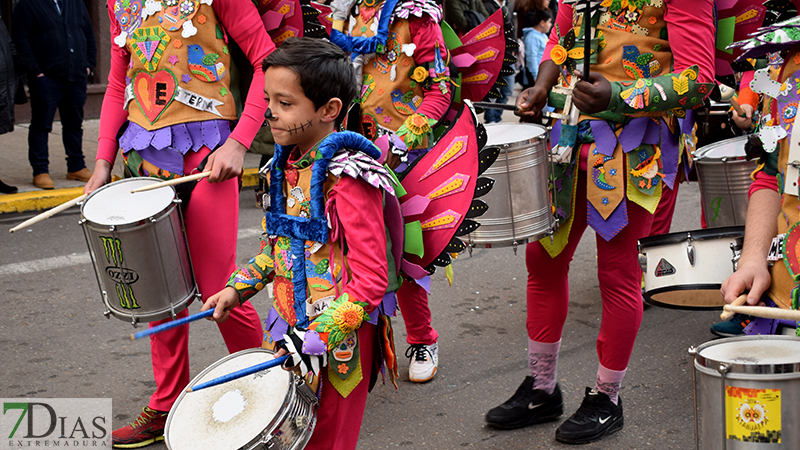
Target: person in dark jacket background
pixel 8 86
pixel 57 52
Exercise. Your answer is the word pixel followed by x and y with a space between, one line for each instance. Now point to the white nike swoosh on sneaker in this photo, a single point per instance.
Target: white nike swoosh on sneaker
pixel 532 406
pixel 603 421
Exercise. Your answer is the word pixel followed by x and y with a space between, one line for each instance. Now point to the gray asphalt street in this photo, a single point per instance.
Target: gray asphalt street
pixel 56 343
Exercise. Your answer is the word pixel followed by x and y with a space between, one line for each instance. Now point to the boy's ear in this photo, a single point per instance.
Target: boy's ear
pixel 331 109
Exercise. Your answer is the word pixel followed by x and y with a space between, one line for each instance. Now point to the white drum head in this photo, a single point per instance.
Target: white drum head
pixel 755 352
pixel 507 133
pixel 113 204
pixel 729 148
pixel 229 415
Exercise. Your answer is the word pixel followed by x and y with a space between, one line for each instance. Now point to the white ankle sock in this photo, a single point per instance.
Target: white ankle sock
pixel 543 363
pixel 609 381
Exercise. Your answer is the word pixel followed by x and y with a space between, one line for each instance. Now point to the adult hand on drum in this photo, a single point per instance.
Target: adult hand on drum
pixel 100 176
pixel 226 162
pixel 223 303
pixel 753 277
pixel 744 122
pixel 592 96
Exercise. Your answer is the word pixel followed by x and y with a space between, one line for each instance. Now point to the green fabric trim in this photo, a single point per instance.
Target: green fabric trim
pixel 557 101
pixel 658 94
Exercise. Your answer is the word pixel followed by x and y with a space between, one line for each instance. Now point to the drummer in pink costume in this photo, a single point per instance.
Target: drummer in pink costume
pixel 168 99
pixel 628 139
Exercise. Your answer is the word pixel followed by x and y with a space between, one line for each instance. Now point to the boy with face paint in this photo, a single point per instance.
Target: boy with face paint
pixel 325 245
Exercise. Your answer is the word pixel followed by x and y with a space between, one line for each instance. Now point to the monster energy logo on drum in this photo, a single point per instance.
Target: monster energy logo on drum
pixel 122 277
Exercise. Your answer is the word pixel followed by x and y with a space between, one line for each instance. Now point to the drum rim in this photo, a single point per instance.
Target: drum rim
pixel 698 155
pixel 697 235
pixel 738 368
pixel 683 287
pixel 158 215
pixel 268 428
pixel 515 145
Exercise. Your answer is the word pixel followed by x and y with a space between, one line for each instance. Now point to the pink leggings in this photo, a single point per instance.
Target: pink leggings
pixel 212 220
pixel 339 418
pixel 413 302
pixel 620 284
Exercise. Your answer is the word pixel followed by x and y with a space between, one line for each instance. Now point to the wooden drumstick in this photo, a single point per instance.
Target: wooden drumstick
pixel 171 325
pixel 186 179
pixel 49 213
pixel 766 312
pixel 726 95
pixel 740 301
pixel 239 374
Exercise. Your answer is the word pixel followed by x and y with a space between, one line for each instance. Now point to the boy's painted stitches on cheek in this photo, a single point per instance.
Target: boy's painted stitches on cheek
pixel 301 127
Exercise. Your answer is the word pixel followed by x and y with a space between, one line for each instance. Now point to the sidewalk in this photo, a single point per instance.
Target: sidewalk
pixel 16 171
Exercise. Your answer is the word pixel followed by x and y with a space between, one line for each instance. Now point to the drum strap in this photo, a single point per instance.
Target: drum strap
pixel 134 164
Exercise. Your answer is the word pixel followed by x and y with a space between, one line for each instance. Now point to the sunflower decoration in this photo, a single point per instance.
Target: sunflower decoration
pixel 415 130
pixel 566 53
pixel 340 319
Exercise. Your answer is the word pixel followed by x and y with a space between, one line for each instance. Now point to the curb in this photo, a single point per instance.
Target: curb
pixel 45 199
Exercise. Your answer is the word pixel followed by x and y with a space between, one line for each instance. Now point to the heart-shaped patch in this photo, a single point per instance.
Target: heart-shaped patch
pixel 154 92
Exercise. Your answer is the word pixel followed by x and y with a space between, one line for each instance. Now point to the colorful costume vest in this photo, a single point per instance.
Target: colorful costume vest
pixel 632 147
pixel 179 63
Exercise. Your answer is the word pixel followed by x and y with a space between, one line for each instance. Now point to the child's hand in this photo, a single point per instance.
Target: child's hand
pixel 746 121
pixel 223 301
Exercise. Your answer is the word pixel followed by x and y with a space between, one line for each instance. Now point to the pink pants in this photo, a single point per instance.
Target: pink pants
pixel 662 220
pixel 620 284
pixel 212 220
pixel 339 418
pixel 413 302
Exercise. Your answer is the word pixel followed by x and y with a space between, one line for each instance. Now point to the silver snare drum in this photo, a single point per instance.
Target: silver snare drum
pixel 519 204
pixel 748 390
pixel 139 250
pixel 724 177
pixel 272 409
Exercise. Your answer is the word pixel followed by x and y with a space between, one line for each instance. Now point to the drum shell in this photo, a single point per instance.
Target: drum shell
pixel 725 181
pixel 280 432
pixel 785 377
pixel 155 265
pixel 521 173
pixel 690 286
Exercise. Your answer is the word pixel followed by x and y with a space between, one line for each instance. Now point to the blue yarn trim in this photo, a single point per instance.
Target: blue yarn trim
pixel 297 227
pixel 299 282
pixel 363 45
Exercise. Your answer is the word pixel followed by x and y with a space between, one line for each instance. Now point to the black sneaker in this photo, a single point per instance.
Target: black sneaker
pixel 597 417
pixel 526 407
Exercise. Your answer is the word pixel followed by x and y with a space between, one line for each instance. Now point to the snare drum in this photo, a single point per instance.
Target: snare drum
pixel 519 204
pixel 139 250
pixel 724 177
pixel 685 270
pixel 749 389
pixel 272 409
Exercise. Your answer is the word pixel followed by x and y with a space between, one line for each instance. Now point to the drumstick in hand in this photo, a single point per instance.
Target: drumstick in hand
pixel 726 95
pixel 766 312
pixel 239 373
pixel 49 213
pixel 740 300
pixel 186 179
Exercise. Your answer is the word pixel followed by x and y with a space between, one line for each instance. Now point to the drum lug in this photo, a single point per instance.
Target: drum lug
pixel 302 422
pixel 82 221
pixel 515 245
pixel 643 262
pixel 153 220
pixel 177 201
pixel 735 257
pixel 690 249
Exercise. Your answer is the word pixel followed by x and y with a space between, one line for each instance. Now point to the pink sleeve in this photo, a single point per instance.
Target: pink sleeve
pixel 563 22
pixel 241 20
pixel 763 181
pixel 690 27
pixel 425 33
pixel 113 113
pixel 359 207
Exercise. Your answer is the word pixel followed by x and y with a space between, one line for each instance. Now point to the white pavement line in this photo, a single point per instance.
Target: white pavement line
pixel 59 262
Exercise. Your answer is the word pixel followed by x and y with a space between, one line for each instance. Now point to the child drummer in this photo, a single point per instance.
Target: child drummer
pixel 325 244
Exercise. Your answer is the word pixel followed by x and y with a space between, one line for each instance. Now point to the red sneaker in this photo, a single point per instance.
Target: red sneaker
pixel 145 430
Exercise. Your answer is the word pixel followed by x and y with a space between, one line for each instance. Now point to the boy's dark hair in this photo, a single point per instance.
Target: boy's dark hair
pixel 324 70
pixel 535 17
